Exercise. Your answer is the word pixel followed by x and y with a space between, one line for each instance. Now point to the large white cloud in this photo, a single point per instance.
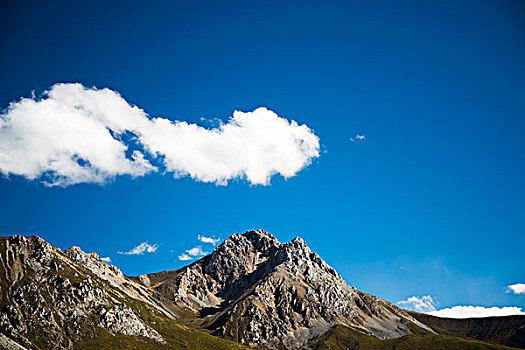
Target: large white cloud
pixel 421 304
pixel 75 134
pixel 477 311
pixel 66 136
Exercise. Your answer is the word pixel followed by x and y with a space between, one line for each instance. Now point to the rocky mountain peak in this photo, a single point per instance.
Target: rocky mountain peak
pixel 96 265
pixel 74 250
pixel 240 255
pixel 254 241
pixel 256 290
pixel 261 239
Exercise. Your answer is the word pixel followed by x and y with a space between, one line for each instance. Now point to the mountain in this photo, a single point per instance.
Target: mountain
pixel 506 330
pixel 252 290
pixel 255 290
pixel 57 300
pixel 341 337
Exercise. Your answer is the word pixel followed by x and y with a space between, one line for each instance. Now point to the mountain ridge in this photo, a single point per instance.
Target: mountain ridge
pixel 242 287
pixel 251 290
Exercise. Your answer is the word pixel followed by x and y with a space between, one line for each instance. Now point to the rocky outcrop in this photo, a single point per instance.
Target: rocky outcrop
pixel 9 344
pixel 49 299
pixel 256 290
pixel 122 319
pixel 124 284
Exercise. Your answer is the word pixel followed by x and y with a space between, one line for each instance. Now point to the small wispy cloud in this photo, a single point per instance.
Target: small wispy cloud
pixel 192 253
pixel 468 311
pixel 421 304
pixel 210 240
pixel 196 251
pixel 518 288
pixel 142 248
pixel 185 257
pixel 357 138
pixel 404 268
pixel 106 259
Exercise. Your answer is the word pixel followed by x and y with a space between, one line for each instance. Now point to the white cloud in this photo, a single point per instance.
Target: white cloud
pixel 141 249
pixel 185 257
pixel 196 251
pixel 357 138
pixel 192 253
pixel 477 311
pixel 424 304
pixel 518 288
pixel 106 259
pixel 75 134
pixel 210 240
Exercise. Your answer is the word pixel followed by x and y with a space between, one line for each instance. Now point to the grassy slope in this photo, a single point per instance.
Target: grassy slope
pixel 505 330
pixel 341 337
pixel 177 336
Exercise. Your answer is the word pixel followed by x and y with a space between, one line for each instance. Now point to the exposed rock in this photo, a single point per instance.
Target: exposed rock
pixel 9 344
pixel 122 319
pixel 256 290
pixel 95 264
pixel 252 289
pixel 128 286
pixel 48 298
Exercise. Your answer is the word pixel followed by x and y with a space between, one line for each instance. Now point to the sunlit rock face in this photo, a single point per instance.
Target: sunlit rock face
pixel 50 300
pixel 258 291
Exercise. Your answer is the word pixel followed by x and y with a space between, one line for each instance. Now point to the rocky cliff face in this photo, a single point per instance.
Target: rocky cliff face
pixel 50 301
pixel 124 284
pixel 256 290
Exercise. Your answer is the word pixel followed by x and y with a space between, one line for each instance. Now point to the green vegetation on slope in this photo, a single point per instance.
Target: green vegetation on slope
pixel 341 337
pixel 504 330
pixel 175 335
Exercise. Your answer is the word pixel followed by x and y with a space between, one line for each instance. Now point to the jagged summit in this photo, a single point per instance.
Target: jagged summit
pixel 259 236
pixel 256 290
pixel 259 240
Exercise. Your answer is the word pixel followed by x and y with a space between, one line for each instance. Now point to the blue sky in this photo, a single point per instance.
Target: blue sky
pixel 430 202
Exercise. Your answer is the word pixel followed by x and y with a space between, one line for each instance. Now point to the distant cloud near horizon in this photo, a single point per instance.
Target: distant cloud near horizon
pixel 427 304
pixel 518 288
pixel 421 304
pixel 73 134
pixel 106 259
pixel 477 311
pixel 142 248
pixel 210 240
